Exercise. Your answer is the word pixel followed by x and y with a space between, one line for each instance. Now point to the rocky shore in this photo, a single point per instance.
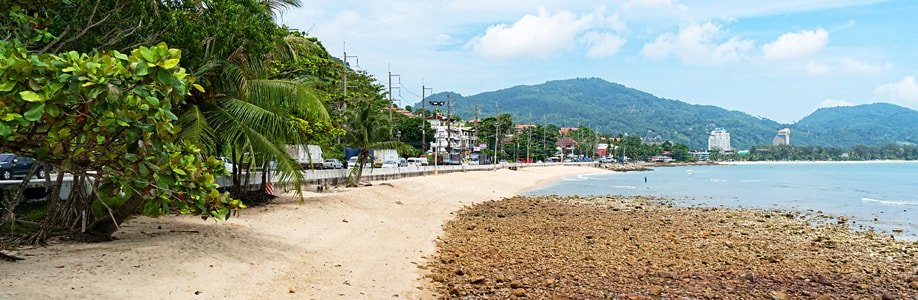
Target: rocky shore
pixel 629 167
pixel 643 248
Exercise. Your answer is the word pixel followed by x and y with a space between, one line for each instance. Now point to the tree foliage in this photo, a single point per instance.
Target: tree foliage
pixel 112 114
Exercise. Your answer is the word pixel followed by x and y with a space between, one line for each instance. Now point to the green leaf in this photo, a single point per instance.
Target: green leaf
pixel 31 96
pixel 141 69
pixel 64 132
pixel 198 87
pixel 164 77
pixel 152 100
pixel 7 86
pixel 53 110
pixel 10 116
pixel 178 171
pixel 35 113
pixel 170 115
pixel 170 63
pixel 5 130
pixel 100 139
pixel 147 54
pixel 120 55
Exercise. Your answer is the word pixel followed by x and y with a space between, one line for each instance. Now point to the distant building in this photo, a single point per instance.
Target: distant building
pixel 564 131
pixel 719 140
pixel 701 156
pixel 783 137
pixel 453 141
pixel 602 149
pixel 518 128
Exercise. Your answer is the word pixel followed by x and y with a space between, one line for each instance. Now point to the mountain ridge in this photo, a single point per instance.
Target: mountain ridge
pixel 615 108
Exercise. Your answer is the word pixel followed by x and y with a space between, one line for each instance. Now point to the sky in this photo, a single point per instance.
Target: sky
pixel 777 59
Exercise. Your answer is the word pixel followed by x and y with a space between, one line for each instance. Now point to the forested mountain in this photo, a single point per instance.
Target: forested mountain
pixel 870 124
pixel 614 108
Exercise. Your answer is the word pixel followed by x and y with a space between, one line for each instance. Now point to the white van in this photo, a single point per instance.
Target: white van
pixel 417 161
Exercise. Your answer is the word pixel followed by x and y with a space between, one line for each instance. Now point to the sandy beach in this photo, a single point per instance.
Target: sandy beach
pixel 363 243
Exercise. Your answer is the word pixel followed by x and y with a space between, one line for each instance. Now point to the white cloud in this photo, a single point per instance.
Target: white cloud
pixel 858 67
pixel 545 34
pixel 602 44
pixel 835 103
pixel 698 43
pixel 796 44
pixel 905 90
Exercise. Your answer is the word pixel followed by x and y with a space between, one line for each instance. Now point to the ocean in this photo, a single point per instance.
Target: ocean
pixel 882 196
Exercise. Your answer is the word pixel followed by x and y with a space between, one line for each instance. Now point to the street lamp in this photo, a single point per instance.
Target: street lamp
pixel 398 135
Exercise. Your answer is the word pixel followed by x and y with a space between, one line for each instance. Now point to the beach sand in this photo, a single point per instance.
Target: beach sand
pixel 363 243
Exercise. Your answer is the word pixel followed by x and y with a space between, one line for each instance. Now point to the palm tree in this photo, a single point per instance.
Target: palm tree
pixel 248 115
pixel 368 129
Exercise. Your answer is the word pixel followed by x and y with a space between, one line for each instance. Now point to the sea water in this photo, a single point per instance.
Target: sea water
pixel 882 196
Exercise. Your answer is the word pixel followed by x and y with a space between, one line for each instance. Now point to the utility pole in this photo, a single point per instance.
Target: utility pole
pixel 544 145
pixel 345 57
pixel 529 139
pixel 424 117
pixel 449 141
pixel 391 103
pixel 477 132
pixel 496 131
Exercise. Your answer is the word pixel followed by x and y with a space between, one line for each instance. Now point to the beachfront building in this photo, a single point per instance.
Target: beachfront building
pixel 566 146
pixel 783 137
pixel 700 155
pixel 453 141
pixel 719 140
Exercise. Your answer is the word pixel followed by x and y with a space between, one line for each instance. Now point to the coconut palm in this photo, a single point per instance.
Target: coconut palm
pixel 368 125
pixel 248 115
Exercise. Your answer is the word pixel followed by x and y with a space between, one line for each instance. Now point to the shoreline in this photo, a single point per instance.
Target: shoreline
pixel 808 162
pixel 875 220
pixel 350 243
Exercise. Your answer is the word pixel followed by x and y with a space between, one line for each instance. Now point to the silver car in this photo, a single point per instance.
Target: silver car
pixel 332 163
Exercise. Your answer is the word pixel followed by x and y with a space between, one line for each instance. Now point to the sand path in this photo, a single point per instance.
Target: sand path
pixel 360 243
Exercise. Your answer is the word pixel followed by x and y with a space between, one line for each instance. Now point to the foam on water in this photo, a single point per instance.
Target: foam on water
pixel 891 202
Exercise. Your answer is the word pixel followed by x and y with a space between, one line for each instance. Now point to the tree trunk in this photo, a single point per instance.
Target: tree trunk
pixel 102 229
pixel 10 204
pixel 237 171
pixel 54 202
pixel 357 171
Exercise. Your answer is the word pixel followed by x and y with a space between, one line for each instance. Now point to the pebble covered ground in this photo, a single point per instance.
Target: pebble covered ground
pixel 643 248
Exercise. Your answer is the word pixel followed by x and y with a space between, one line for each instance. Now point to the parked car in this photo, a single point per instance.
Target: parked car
pixel 13 166
pixel 402 162
pixel 351 162
pixel 390 164
pixel 228 164
pixel 332 163
pixel 417 161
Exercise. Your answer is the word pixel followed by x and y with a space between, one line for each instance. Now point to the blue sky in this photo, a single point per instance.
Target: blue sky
pixel 778 59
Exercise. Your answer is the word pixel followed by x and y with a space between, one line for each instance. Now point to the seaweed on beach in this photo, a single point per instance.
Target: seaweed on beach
pixel 638 247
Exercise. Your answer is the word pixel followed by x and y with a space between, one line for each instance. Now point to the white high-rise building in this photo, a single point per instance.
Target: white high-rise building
pixel 783 137
pixel 719 140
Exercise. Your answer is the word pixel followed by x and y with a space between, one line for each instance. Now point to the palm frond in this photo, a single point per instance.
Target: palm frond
pixel 257 142
pixel 196 130
pixel 289 95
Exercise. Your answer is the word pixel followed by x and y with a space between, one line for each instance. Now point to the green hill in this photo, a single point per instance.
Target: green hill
pixel 869 124
pixel 614 108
